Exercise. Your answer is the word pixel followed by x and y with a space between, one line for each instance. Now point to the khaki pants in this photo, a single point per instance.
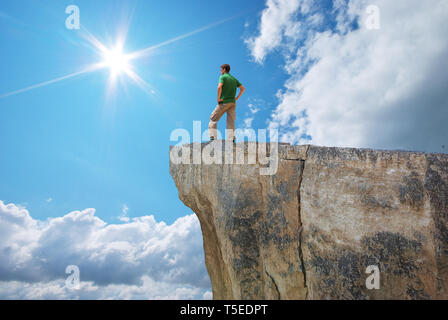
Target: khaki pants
pixel 217 114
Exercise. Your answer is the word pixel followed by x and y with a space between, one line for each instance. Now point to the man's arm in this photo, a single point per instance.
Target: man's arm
pixel 219 91
pixel 242 89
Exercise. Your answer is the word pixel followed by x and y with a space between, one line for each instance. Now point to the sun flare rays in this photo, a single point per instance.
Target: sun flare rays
pixel 116 60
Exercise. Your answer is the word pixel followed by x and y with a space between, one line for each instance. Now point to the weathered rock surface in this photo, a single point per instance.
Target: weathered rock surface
pixel 310 230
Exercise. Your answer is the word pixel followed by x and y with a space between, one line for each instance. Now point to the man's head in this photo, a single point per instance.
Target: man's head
pixel 225 68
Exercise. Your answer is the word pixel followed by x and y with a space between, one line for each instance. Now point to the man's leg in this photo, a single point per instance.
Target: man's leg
pixel 231 114
pixel 214 118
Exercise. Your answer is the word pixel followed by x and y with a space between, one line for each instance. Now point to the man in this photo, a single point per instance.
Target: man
pixel 226 103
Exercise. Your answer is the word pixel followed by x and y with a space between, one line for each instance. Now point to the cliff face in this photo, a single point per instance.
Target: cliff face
pixel 310 230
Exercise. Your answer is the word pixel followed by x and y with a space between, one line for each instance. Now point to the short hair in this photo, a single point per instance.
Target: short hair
pixel 226 67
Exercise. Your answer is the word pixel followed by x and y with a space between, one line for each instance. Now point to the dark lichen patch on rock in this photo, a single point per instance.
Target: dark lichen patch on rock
pixel 411 191
pixel 273 227
pixel 336 275
pixel 436 184
pixel 249 283
pixel 370 201
pixel 324 155
pixel 393 253
pixel 373 156
pixel 284 189
pixel 245 261
pixel 417 294
pixel 240 202
pixel 339 273
pixel 243 233
pixel 275 235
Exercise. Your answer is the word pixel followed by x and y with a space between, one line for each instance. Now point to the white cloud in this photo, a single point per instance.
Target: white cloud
pixel 253 109
pixel 274 19
pixel 357 87
pixel 124 214
pixel 141 259
pixel 56 290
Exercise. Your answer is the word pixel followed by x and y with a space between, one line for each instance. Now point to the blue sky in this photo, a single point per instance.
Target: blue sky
pixel 70 143
pixel 84 171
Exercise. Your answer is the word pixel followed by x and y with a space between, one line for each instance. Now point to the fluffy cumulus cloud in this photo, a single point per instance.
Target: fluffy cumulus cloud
pixel 358 81
pixel 140 259
pixel 275 18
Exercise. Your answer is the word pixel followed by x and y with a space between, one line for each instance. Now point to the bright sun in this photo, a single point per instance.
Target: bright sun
pixel 116 61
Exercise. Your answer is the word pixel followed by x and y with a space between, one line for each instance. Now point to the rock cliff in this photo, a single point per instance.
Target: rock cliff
pixel 311 229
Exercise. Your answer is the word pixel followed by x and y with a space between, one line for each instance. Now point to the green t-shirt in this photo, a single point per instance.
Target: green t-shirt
pixel 229 88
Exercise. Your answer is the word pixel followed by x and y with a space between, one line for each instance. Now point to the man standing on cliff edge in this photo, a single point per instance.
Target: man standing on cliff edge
pixel 226 103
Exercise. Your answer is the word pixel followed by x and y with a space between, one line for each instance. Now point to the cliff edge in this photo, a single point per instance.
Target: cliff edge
pixel 314 227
